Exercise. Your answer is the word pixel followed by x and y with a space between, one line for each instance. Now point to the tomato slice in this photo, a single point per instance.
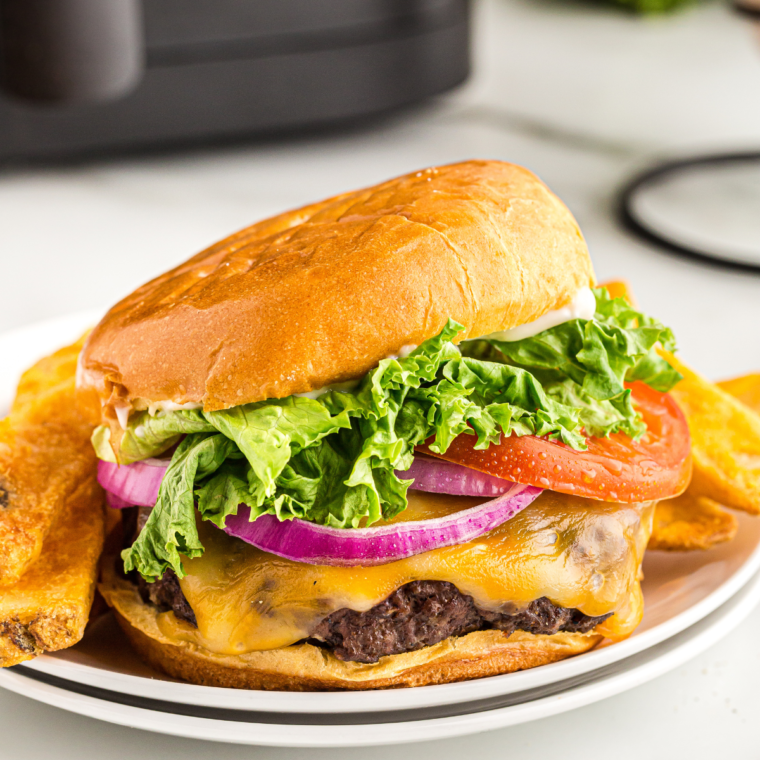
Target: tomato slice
pixel 618 469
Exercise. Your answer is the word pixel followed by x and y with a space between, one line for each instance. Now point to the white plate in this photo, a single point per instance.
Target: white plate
pixel 402 726
pixel 679 591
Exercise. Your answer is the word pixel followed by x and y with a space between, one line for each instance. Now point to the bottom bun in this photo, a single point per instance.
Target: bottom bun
pixel 303 667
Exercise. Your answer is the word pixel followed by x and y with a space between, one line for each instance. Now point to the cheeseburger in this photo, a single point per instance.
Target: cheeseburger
pixel 394 438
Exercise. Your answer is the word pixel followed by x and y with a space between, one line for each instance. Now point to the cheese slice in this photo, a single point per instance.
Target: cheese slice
pixel 577 552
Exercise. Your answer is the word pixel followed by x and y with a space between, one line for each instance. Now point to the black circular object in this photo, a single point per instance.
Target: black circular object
pixel 636 223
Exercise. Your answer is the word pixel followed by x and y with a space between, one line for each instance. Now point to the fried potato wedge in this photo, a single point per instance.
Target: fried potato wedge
pixel 693 520
pixel 49 607
pixel 725 441
pixel 745 388
pixel 690 522
pixel 620 289
pixel 44 380
pixel 45 456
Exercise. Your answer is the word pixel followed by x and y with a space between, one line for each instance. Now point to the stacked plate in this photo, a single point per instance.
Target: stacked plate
pixel 691 600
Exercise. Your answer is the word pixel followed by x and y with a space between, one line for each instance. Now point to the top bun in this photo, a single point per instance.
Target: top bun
pixel 320 295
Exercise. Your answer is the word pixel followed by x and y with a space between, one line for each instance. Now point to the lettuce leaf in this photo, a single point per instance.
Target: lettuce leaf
pixel 170 530
pixel 148 436
pixel 333 460
pixel 585 363
pixel 271 433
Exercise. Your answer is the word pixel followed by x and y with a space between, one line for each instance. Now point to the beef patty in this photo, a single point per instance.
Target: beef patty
pixel 166 594
pixel 422 613
pixel 417 615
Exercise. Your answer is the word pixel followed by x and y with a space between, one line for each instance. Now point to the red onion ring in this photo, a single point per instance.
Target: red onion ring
pixel 312 544
pixel 439 476
pixel 136 483
pixel 301 541
pixel 115 502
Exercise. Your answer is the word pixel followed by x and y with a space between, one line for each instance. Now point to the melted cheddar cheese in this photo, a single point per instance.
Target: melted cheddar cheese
pixel 577 552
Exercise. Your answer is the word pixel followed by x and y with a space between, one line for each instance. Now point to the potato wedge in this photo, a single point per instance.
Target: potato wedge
pixel 49 607
pixel 620 289
pixel 725 441
pixel 745 388
pixel 45 456
pixel 49 377
pixel 690 522
pixel 694 521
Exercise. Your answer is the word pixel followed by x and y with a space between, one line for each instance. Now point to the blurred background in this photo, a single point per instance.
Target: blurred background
pixel 133 133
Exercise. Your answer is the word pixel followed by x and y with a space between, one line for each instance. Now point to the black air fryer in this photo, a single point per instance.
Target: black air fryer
pixel 92 75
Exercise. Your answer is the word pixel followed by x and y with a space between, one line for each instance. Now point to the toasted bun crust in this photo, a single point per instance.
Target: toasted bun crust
pixel 303 667
pixel 321 294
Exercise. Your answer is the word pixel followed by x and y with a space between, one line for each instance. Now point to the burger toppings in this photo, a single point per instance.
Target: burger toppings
pixel 138 484
pixel 313 544
pixel 618 468
pixel 332 461
pixel 132 485
pixel 438 476
pixel 581 554
pixel 583 306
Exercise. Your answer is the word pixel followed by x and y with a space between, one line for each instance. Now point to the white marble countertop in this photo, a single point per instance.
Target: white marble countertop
pixel 582 95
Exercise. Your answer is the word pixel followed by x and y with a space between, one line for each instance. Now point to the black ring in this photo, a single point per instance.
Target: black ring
pixel 639 227
pixel 293 718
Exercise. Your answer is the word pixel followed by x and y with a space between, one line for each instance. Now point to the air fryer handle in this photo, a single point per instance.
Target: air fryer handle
pixel 71 50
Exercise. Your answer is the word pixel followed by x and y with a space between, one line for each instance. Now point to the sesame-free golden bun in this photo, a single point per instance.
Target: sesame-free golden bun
pixel 321 294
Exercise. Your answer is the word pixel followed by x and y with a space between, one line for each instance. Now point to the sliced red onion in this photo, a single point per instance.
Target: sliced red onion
pixel 115 502
pixel 313 544
pixel 136 483
pixel 439 476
